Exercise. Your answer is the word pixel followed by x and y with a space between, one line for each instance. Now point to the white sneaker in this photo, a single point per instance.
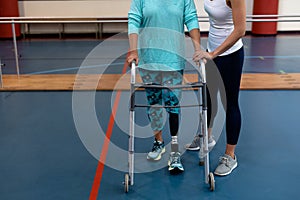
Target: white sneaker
pixel 174 162
pixel 157 150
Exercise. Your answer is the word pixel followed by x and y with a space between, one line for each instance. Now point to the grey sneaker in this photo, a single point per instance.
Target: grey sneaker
pixel 226 165
pixel 157 150
pixel 195 145
pixel 211 142
pixel 175 162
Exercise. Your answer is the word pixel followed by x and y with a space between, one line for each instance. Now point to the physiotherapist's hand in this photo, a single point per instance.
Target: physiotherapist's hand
pixel 133 55
pixel 202 55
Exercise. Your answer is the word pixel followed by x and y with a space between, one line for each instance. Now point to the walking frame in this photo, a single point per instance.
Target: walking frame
pixel 203 152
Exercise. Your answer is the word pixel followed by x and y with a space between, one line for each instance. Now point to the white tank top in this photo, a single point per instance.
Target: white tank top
pixel 221 25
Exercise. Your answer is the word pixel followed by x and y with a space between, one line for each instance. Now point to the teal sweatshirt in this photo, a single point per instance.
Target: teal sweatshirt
pixel 160 26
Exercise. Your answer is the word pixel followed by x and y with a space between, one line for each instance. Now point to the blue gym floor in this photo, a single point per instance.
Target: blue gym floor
pixel 42 155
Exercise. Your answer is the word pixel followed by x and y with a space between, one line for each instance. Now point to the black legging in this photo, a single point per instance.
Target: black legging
pixel 230 69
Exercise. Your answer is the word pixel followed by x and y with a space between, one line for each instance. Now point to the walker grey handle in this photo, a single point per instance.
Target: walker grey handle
pixel 202 71
pixel 133 70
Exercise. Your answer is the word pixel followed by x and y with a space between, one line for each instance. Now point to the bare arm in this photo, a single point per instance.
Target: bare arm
pixel 133 53
pixel 195 35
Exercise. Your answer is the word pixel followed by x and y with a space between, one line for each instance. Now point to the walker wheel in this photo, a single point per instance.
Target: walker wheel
pixel 126 183
pixel 211 180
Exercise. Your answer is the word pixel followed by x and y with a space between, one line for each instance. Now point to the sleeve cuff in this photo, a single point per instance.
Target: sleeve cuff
pixel 192 25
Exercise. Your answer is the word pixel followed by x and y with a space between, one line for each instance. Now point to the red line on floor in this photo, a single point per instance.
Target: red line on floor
pixel 99 171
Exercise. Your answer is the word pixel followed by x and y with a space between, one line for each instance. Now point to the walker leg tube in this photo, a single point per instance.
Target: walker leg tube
pixel 201 133
pixel 131 126
pixel 205 134
pixel 131 148
pixel 205 146
pixel 1 82
pixel 15 47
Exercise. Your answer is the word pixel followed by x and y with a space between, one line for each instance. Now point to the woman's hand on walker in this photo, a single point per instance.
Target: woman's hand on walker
pixel 132 56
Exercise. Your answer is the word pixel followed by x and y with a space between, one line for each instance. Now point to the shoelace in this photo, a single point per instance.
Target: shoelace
pixel 196 141
pixel 175 159
pixel 156 147
pixel 224 160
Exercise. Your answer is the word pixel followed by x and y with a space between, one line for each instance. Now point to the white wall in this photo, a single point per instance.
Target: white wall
pixel 289 7
pixel 75 8
pixel 84 8
pixel 119 8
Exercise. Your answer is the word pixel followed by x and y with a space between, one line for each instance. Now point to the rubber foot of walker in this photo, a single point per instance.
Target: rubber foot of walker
pixel 201 163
